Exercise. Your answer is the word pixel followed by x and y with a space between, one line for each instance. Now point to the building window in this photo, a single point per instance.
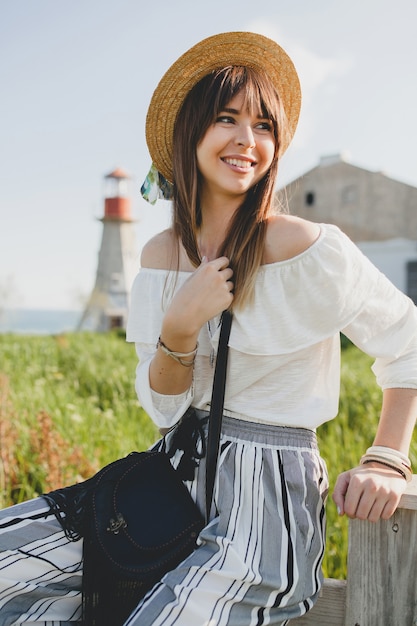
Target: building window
pixel 310 198
pixel 115 321
pixel 412 280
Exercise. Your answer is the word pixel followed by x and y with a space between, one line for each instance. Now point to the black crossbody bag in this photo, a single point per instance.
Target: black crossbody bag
pixel 136 516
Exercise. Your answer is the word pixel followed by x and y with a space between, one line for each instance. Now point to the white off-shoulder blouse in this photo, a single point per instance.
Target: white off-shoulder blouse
pixel 284 349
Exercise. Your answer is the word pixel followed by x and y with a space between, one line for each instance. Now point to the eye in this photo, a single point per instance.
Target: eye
pixel 265 125
pixel 225 119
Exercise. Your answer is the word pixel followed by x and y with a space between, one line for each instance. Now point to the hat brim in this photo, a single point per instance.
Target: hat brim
pixel 235 48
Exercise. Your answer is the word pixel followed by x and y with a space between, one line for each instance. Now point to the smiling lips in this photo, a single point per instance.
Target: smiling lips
pixel 242 163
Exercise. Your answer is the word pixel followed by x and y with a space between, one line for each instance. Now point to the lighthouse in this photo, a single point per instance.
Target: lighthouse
pixel 117 259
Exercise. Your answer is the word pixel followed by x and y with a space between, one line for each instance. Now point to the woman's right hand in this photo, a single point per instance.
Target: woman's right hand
pixel 205 294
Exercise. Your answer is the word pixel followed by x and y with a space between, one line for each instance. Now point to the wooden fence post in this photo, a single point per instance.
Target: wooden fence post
pixel 381 586
pixel 382 568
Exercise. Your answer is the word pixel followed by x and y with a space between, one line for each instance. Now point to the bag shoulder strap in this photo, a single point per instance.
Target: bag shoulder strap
pixel 216 408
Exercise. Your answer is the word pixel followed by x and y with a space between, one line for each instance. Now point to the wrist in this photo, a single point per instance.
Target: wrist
pixel 388 457
pixel 387 466
pixel 179 332
pixel 186 359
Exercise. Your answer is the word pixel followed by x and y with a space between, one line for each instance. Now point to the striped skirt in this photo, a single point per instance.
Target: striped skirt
pixel 40 570
pixel 258 561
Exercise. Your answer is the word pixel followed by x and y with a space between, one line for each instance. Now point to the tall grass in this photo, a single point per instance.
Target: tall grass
pixel 68 407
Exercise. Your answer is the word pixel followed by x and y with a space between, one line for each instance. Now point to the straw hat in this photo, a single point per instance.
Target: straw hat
pixel 235 48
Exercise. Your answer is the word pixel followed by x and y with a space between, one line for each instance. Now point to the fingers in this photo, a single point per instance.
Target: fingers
pixel 219 263
pixel 368 494
pixel 206 293
pixel 339 492
pixel 222 270
pixel 372 508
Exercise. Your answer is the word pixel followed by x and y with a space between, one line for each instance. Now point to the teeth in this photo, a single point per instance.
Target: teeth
pixel 238 163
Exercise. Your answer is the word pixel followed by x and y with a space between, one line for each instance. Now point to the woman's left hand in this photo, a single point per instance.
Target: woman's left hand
pixel 368 492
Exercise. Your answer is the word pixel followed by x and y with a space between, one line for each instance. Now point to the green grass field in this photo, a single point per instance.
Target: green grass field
pixel 68 406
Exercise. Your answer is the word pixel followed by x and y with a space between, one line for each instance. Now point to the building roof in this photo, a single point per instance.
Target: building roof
pixel 118 173
pixel 367 205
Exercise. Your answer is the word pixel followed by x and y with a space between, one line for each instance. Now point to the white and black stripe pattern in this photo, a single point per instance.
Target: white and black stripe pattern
pixel 40 571
pixel 260 556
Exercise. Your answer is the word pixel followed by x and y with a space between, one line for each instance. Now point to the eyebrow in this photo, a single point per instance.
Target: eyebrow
pixel 237 112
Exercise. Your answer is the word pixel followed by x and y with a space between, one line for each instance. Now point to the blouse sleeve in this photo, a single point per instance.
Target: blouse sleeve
pixel 386 329
pixel 149 289
pixel 330 288
pixel 164 410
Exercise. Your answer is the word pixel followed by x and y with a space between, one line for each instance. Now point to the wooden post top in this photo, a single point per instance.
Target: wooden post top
pixel 409 498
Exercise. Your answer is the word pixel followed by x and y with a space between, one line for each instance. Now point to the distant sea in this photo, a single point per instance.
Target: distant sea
pixel 38 321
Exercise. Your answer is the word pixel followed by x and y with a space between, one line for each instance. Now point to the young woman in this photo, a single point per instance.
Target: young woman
pixel 218 123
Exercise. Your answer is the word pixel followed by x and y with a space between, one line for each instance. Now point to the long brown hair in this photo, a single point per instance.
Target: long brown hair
pixel 245 238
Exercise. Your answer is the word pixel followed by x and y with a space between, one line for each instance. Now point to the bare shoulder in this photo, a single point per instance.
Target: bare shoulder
pixel 287 236
pixel 160 251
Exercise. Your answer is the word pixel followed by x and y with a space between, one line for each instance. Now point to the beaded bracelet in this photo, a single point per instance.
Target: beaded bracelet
pixel 178 356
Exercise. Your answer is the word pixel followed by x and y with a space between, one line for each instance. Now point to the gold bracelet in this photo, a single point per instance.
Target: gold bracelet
pixel 178 356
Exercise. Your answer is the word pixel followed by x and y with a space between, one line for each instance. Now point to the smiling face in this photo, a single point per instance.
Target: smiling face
pixel 236 150
pixel 228 126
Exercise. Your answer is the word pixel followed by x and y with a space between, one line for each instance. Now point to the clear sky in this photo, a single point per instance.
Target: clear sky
pixel 76 78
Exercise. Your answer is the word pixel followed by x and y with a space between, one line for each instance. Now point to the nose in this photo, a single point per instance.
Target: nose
pixel 245 136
